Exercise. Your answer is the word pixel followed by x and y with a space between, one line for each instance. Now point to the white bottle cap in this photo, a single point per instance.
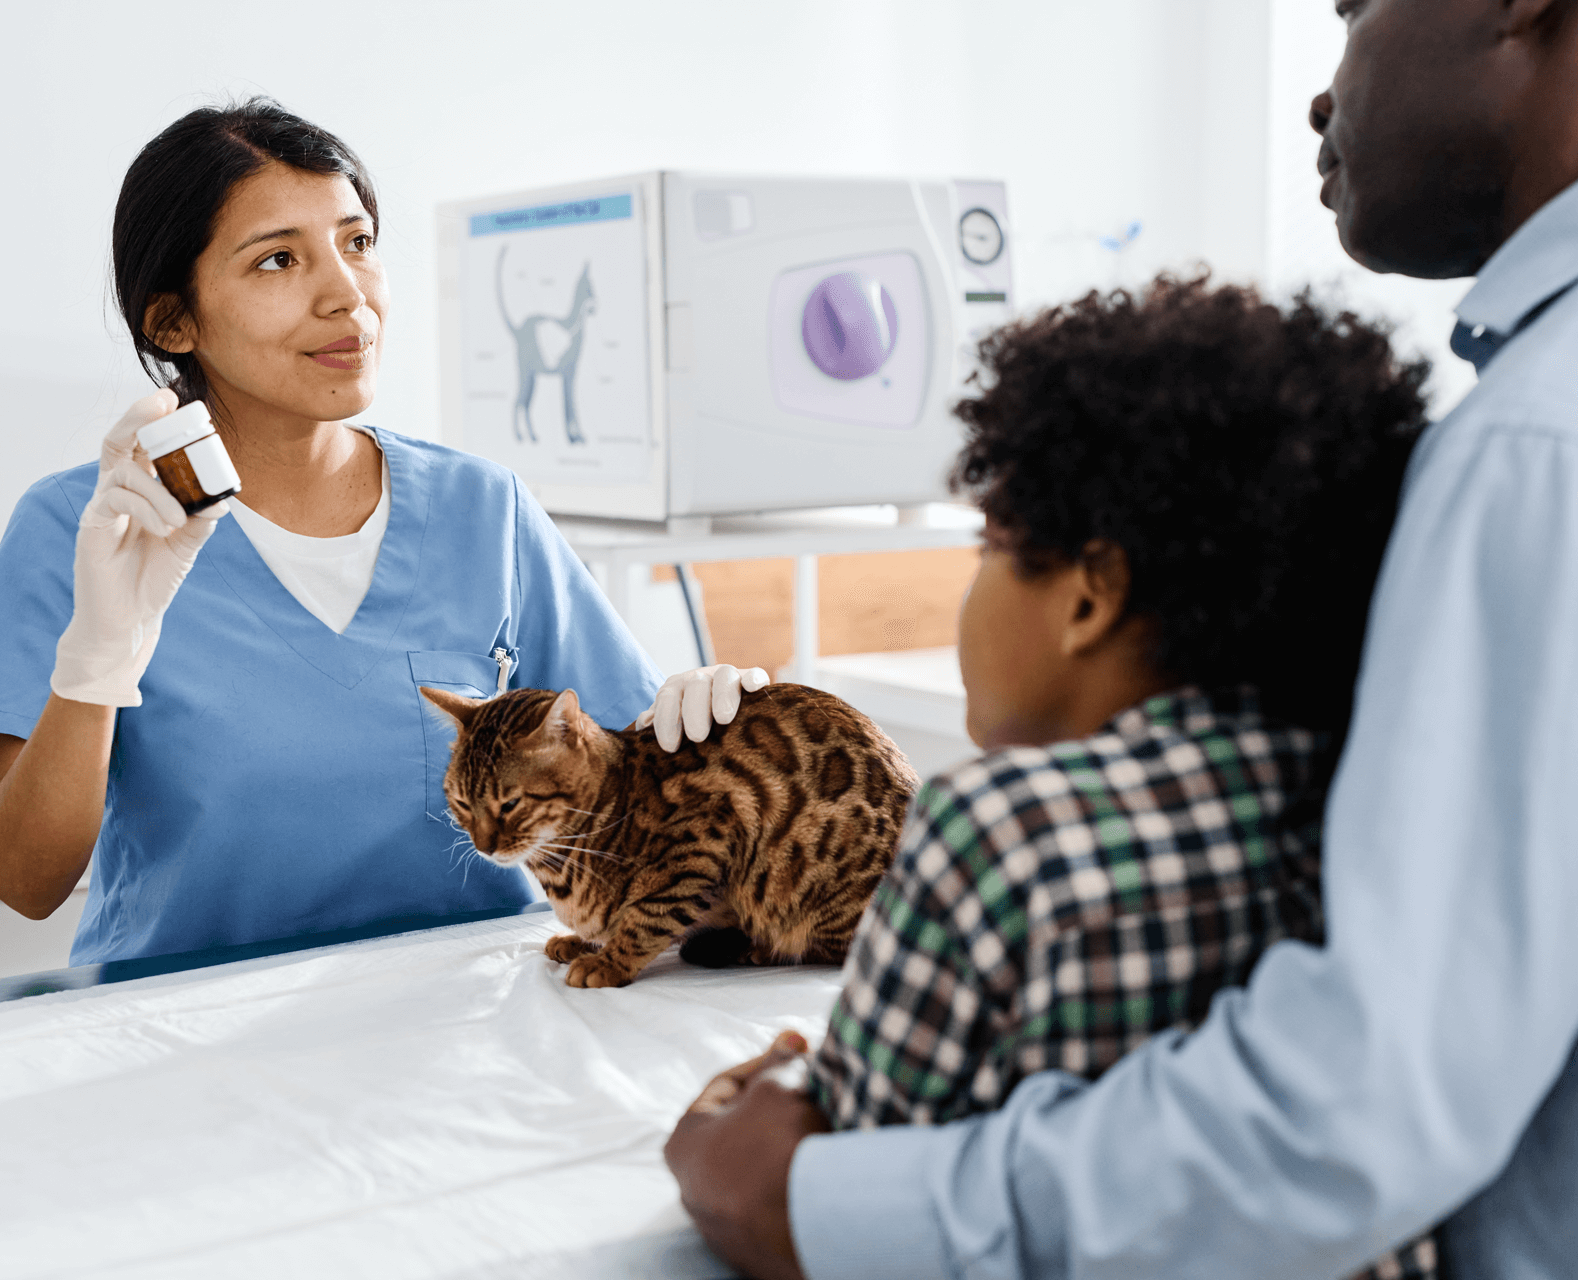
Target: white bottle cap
pixel 175 430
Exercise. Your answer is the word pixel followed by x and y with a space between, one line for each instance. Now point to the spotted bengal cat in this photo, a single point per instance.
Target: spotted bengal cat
pixel 761 844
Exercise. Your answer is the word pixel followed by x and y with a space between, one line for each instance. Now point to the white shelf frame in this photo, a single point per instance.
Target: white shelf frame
pixel 614 549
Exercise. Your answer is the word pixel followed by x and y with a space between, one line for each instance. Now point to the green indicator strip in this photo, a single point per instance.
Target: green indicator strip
pixel 986 297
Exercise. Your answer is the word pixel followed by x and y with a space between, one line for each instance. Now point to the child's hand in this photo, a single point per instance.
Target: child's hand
pixel 730 1154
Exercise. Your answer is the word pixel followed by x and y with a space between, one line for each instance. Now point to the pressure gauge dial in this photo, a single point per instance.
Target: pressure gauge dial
pixel 980 237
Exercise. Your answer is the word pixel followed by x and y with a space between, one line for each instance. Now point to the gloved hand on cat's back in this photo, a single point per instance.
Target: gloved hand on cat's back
pixel 135 546
pixel 696 700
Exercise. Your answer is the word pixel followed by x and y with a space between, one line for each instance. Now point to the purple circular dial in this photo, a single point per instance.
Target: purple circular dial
pixel 849 325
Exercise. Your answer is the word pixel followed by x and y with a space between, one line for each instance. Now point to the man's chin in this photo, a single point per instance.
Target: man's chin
pixel 1361 252
pixel 1436 234
pixel 1394 242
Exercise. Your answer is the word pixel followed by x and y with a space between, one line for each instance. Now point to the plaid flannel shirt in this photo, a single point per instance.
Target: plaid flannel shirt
pixel 1057 906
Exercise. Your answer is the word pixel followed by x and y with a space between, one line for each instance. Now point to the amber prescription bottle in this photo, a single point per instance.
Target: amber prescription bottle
pixel 190 457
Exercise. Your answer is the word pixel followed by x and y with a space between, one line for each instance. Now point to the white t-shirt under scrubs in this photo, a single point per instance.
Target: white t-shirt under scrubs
pixel 328 576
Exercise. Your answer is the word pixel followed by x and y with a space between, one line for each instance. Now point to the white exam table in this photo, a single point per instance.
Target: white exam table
pixel 435 1104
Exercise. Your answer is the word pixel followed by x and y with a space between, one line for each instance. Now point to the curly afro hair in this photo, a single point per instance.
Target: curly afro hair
pixel 1247 459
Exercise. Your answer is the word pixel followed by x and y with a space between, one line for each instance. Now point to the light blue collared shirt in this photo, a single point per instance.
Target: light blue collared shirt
pixel 1420 1066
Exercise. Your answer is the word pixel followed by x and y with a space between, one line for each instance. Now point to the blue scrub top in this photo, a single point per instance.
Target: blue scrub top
pixel 278 778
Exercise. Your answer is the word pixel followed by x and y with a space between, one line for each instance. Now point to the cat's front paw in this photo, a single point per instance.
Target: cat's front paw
pixel 565 947
pixel 597 971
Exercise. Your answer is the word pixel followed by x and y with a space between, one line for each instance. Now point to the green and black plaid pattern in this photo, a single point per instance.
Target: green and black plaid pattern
pixel 1057 906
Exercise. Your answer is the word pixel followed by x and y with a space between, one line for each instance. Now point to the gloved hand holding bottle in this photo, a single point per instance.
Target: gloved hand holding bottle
pixel 135 546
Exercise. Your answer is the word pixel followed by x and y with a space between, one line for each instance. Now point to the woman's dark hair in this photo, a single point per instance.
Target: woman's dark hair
pixel 1247 459
pixel 172 196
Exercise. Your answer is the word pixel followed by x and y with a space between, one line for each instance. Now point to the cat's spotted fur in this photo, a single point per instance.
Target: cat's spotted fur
pixel 763 843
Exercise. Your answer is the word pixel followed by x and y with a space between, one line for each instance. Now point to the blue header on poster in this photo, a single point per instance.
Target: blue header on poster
pixel 597 209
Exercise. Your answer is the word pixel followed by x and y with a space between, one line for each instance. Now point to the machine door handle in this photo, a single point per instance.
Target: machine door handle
pixel 849 325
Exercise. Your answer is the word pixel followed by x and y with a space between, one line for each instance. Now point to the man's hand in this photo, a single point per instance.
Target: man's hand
pixel 730 1155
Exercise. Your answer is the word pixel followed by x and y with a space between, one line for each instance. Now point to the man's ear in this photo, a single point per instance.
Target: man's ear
pixel 168 325
pixel 1100 597
pixel 564 721
pixel 459 709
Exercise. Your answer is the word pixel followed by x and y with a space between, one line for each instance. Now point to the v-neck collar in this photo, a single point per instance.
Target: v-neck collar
pixel 344 657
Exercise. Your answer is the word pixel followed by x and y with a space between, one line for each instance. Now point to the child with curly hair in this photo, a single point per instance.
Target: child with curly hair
pixel 1187 497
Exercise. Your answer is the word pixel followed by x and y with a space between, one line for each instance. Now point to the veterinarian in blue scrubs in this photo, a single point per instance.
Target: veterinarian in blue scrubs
pixel 202 704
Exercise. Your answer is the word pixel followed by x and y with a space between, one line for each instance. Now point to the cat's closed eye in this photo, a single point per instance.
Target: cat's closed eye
pixel 461 805
pixel 508 805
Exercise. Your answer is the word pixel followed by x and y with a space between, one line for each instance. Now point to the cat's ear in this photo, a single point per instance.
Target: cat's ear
pixel 457 708
pixel 564 722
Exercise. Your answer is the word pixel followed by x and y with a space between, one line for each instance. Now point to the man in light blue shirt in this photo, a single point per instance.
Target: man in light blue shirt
pixel 1420 1066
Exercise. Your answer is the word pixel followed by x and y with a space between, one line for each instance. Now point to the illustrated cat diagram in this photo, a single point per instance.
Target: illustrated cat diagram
pixel 547 344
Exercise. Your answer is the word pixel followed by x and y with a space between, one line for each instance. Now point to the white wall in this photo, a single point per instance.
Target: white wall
pixel 1149 110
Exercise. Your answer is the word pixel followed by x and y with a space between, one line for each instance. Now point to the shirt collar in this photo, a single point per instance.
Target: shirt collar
pixel 1538 260
pixel 1189 709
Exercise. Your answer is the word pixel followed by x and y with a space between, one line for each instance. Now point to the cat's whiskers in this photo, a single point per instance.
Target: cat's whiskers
pixel 524 853
pixel 465 847
pixel 465 858
pixel 463 836
pixel 577 849
pixel 460 842
pixel 557 860
pixel 607 826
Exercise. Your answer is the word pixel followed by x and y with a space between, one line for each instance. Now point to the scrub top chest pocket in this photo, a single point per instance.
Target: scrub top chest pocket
pixel 472 675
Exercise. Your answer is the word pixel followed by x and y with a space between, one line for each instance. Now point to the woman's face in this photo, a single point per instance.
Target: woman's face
pixel 290 298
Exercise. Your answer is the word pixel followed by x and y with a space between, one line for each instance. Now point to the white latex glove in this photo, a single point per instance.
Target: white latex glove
pixel 135 546
pixel 697 700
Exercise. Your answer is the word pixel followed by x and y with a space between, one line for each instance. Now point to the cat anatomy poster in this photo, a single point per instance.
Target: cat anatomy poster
pixel 555 359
